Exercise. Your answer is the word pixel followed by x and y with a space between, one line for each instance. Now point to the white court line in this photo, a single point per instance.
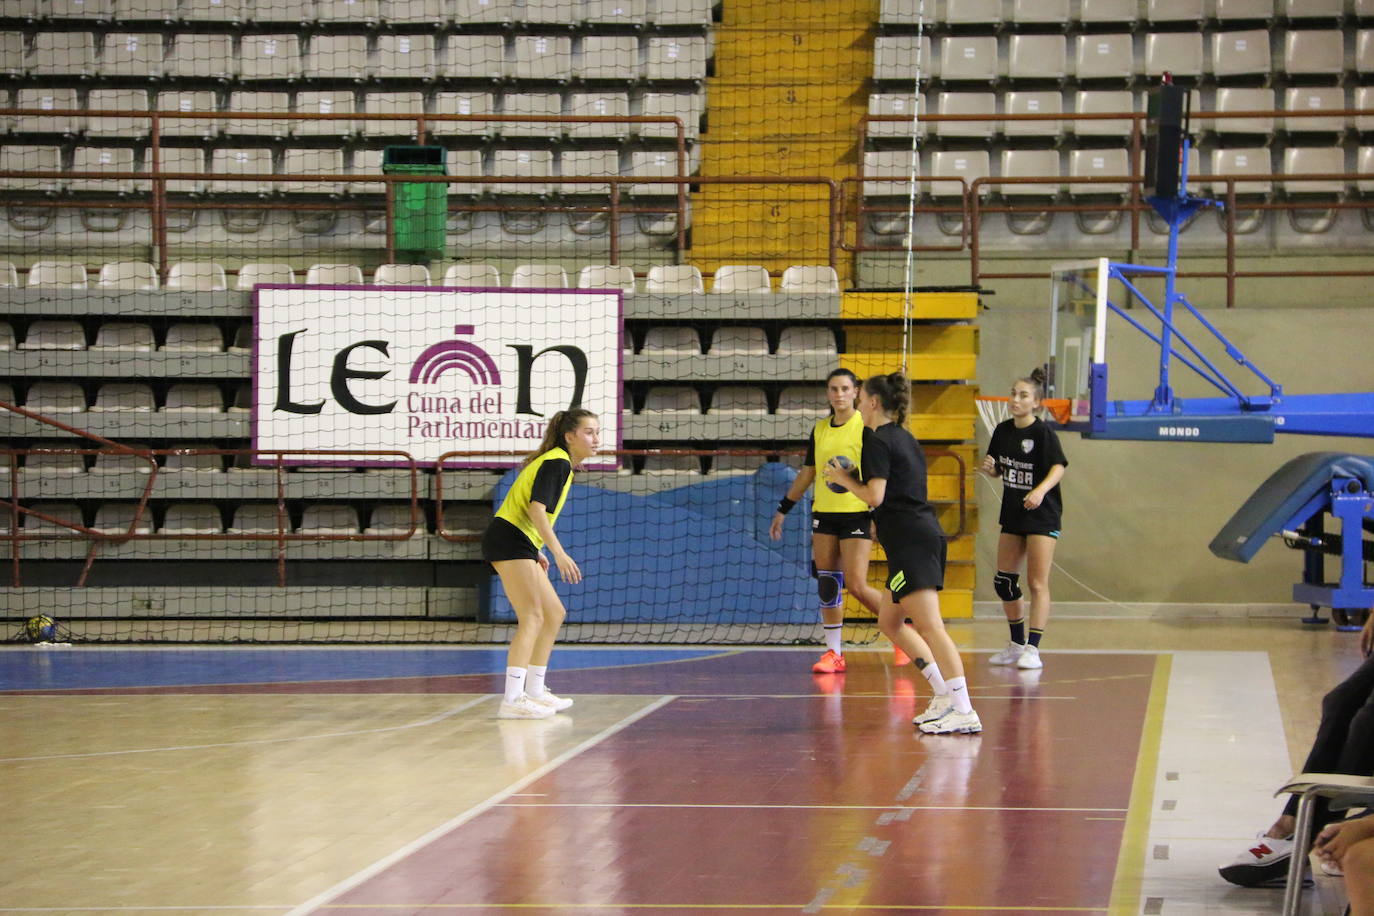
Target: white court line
pixel 461 707
pixel 459 820
pixel 801 807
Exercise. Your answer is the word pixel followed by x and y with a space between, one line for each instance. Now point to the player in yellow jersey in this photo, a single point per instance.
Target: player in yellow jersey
pixel 841 526
pixel 513 544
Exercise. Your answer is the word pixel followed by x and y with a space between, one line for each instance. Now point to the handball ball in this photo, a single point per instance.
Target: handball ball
pixel 41 628
pixel 841 461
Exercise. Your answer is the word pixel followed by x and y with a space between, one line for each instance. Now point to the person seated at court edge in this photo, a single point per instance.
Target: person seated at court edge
pixel 1344 744
pixel 1349 846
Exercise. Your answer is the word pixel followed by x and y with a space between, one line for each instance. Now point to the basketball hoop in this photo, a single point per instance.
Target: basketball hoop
pixel 993 409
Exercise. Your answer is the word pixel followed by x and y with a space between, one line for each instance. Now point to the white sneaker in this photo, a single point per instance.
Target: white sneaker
pixel 523 707
pixel 1009 655
pixel 1263 861
pixel 1030 659
pixel 556 703
pixel 954 723
pixel 939 706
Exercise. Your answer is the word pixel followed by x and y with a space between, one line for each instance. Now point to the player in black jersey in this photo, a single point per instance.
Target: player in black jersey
pixel 894 484
pixel 513 544
pixel 1025 452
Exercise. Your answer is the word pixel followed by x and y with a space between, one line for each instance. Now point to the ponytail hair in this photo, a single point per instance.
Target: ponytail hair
pixel 893 392
pixel 555 436
pixel 1036 380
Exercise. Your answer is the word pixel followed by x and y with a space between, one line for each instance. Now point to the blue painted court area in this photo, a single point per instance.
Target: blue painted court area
pixel 84 667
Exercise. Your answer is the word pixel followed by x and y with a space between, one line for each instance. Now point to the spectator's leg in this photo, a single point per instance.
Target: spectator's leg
pixel 1359 878
pixel 1345 737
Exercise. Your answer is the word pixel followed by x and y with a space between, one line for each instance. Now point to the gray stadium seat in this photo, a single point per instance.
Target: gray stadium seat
pixel 203 464
pixel 1085 163
pixel 685 106
pixel 673 278
pixel 408 103
pixel 124 396
pixel 241 161
pixel 104 159
pixel 738 341
pixel 968 57
pixel 599 105
pixel 896 57
pixel 1030 163
pixel 522 163
pixel 68 512
pixel 337 57
pixel 531 105
pixel 197 11
pixel 415 12
pixel 475 56
pixel 680 12
pixel 131 54
pixel 463 103
pixel 1102 102
pixel 192 518
pixel 130 336
pixel 62 54
pixel 1118 11
pixel 897 104
pixel 348 11
pixel 201 55
pixel 1174 10
pixel 130 100
pixel 672 464
pixel 969 165
pixel 195 337
pixel 672 57
pixel 1036 57
pixel 1314 52
pixel 258 518
pixel 1233 163
pixel 334 102
pixel 1180 53
pixel 739 399
pixel 1240 53
pixel 741 278
pixel 1227 10
pixel 1365 165
pixel 1313 9
pixel 608 57
pixel 9 277
pixel 12 53
pixel 672 339
pixel 606 276
pixel 48 99
pixel 802 399
pixel 55 397
pixel 1364 101
pixel 1314 98
pixel 27 158
pixel 652 164
pixel 391 518
pixel 59 274
pixel 122 463
pixel 400 275
pixel 319 518
pixel 1364 51
pixel 252 274
pixel 187 100
pixel 886 164
pixel 313 162
pixel 1034 102
pixel 966 103
pixel 202 276
pixel 269 57
pixel 615 12
pixel 804 339
pixel 484 11
pixel 551 12
pixel 1104 57
pixel 117 518
pixel 471 275
pixel 334 275
pixel 805 278
pixel 587 163
pixel 1046 11
pixel 538 276
pixel 1314 160
pixel 540 57
pixel 180 160
pixel 970 12
pixel 409 56
pixel 1229 99
pixel 195 397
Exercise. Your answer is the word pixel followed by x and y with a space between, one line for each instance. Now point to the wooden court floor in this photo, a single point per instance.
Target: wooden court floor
pixel 708 780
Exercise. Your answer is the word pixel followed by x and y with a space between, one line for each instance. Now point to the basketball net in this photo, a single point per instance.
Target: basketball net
pixel 995 409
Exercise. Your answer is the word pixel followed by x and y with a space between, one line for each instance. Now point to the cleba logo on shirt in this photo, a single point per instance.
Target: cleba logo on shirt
pixel 1027 445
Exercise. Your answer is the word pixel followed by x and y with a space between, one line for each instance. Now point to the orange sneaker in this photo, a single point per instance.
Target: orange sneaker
pixel 830 663
pixel 899 658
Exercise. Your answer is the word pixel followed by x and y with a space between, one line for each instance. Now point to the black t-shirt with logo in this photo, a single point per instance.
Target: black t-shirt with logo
pixel 1024 458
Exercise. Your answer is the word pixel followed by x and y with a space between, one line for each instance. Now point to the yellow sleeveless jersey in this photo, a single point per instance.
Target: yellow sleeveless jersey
pixel 847 440
pixel 515 508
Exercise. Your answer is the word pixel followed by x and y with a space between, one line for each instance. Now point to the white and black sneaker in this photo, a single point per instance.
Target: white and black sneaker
pixel 1264 862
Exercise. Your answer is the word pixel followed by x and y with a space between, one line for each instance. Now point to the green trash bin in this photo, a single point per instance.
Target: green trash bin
pixel 421 209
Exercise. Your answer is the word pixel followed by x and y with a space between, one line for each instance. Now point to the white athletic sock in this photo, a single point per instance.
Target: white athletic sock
pixel 515 684
pixel 833 632
pixel 958 694
pixel 937 683
pixel 534 684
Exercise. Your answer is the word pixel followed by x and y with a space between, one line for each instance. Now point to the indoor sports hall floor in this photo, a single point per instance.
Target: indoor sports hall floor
pixel 685 780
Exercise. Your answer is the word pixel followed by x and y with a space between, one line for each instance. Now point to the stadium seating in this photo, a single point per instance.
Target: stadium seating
pixel 62 274
pixel 683 278
pixel 597 276
pixel 130 336
pixel 401 275
pixel 249 275
pixel 196 275
pixel 807 279
pixel 741 278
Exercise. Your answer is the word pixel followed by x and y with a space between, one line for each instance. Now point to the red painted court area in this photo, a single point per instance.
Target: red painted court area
pixel 756 785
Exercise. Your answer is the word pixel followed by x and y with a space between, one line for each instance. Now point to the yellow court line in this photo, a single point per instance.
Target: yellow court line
pixel 1130 862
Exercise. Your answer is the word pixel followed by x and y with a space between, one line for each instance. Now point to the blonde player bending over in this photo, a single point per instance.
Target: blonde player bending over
pixel 841 523
pixel 513 544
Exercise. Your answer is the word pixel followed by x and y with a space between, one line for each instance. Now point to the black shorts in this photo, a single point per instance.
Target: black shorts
pixel 842 525
pixel 1026 531
pixel 915 559
pixel 504 541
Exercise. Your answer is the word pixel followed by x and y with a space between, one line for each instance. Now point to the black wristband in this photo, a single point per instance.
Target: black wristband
pixel 785 505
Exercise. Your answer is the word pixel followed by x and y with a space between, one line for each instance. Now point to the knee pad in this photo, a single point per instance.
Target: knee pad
pixel 830 587
pixel 1005 585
